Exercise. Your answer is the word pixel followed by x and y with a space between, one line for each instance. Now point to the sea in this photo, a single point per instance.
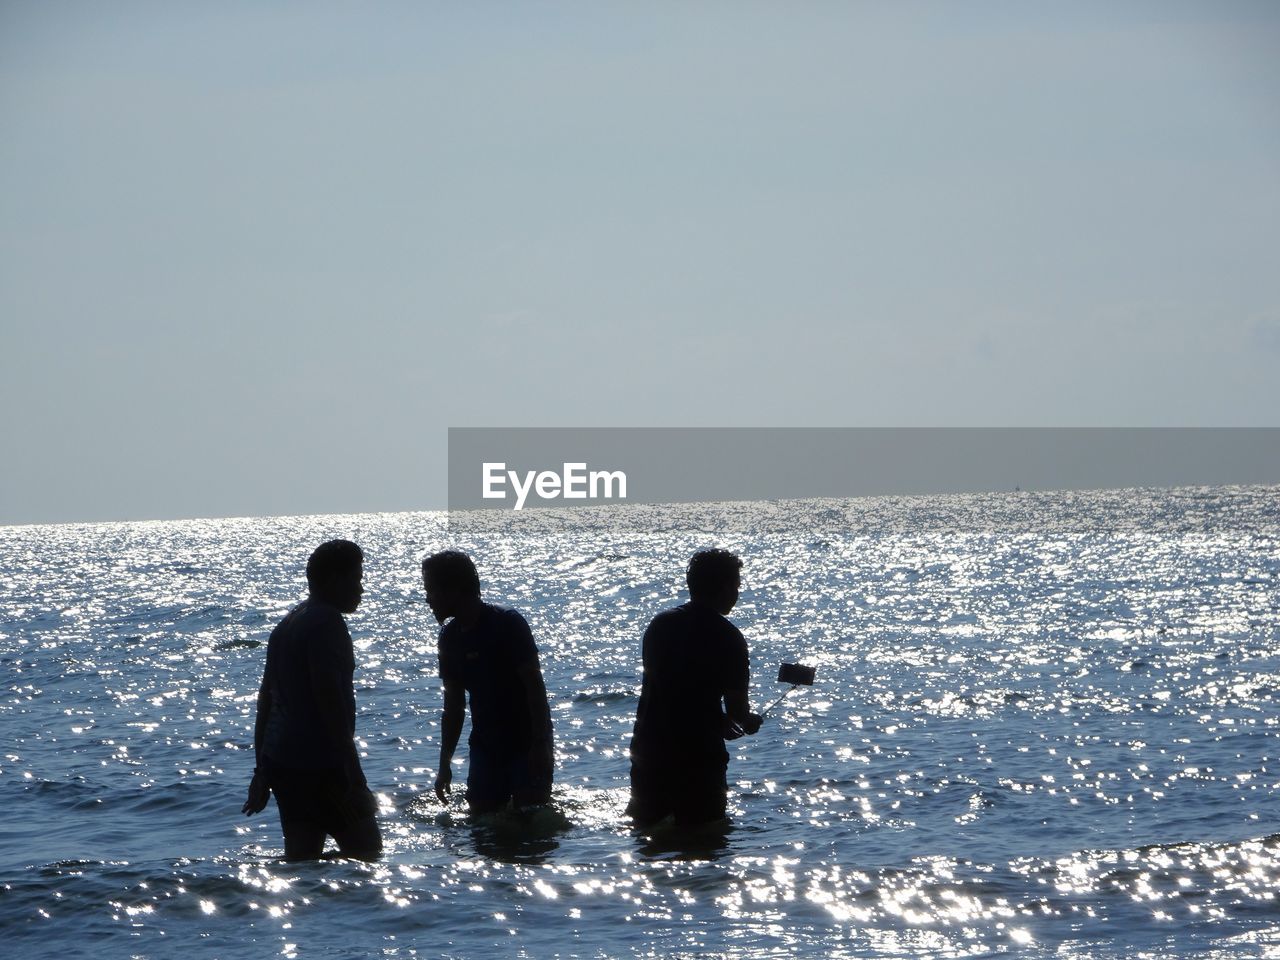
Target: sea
pixel 1042 724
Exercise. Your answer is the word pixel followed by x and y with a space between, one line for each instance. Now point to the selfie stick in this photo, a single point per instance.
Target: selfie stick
pixel 765 711
pixel 795 674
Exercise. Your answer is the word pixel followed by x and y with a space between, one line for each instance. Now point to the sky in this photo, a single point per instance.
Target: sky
pixel 255 258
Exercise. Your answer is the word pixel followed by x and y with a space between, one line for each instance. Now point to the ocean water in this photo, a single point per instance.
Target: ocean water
pixel 1042 724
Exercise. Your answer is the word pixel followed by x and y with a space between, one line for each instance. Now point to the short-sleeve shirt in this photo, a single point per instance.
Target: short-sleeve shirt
pixel 310 645
pixel 692 657
pixel 485 660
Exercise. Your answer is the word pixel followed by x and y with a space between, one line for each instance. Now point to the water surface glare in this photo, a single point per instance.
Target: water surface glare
pixel 1043 724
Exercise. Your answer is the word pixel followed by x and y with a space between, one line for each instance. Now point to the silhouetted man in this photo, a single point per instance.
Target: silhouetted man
pixel 487 653
pixel 694 697
pixel 304 734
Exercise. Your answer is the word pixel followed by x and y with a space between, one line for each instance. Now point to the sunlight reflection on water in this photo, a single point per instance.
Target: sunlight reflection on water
pixel 1042 722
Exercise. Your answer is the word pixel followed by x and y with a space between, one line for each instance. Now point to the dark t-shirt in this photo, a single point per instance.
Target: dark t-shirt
pixel 310 647
pixel 485 660
pixel 692 657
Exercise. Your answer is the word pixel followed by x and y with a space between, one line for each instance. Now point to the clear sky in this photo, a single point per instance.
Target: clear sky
pixel 255 258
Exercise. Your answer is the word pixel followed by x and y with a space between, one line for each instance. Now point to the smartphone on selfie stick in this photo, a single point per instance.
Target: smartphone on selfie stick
pixel 796 674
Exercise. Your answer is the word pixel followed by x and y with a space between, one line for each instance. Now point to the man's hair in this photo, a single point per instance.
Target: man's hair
pixel 709 570
pixel 452 569
pixel 333 556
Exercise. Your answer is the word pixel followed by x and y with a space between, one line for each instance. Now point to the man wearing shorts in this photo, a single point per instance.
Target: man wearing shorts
pixel 487 655
pixel 304 735
pixel 693 698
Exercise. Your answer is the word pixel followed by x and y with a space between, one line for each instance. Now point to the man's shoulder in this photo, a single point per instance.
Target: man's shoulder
pixel 312 619
pixel 316 612
pixel 671 615
pixel 504 618
pixel 670 626
pixel 690 614
pixel 494 620
pixel 509 632
pixel 690 619
pixel 503 611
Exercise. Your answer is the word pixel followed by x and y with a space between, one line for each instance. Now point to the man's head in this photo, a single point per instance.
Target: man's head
pixel 334 574
pixel 714 578
pixel 450 580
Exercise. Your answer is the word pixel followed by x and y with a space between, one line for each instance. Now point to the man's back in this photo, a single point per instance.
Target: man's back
pixel 485 660
pixel 692 657
pixel 312 642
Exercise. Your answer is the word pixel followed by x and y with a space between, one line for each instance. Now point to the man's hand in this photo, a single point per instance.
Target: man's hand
pixel 733 729
pixel 258 794
pixel 443 779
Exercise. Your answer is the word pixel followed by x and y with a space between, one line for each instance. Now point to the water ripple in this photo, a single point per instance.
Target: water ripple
pixel 1043 723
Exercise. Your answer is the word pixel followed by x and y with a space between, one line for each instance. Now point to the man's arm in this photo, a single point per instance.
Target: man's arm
pixel 535 695
pixel 541 749
pixel 331 702
pixel 455 706
pixel 260 721
pixel 524 653
pixel 739 718
pixel 259 791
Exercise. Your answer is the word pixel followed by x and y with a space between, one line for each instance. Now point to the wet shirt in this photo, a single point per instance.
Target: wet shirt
pixel 310 646
pixel 485 660
pixel 692 657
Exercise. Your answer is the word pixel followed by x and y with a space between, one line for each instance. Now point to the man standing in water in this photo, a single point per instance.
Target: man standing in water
pixel 304 734
pixel 694 661
pixel 488 654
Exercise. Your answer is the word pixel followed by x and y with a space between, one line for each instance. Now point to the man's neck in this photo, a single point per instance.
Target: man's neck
pixel 705 604
pixel 468 614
